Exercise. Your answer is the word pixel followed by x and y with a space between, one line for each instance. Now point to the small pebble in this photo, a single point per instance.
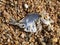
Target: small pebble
pixel 23 35
pixel 26 6
pixel 32 39
pixel 55 40
pixel 8 40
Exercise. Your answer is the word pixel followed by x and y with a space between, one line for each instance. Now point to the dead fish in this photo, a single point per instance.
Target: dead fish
pixel 28 22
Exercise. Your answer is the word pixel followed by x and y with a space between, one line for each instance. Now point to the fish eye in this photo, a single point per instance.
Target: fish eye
pixel 27 29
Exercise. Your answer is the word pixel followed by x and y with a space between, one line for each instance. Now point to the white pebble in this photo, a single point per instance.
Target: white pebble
pixel 8 40
pixel 26 6
pixel 23 35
